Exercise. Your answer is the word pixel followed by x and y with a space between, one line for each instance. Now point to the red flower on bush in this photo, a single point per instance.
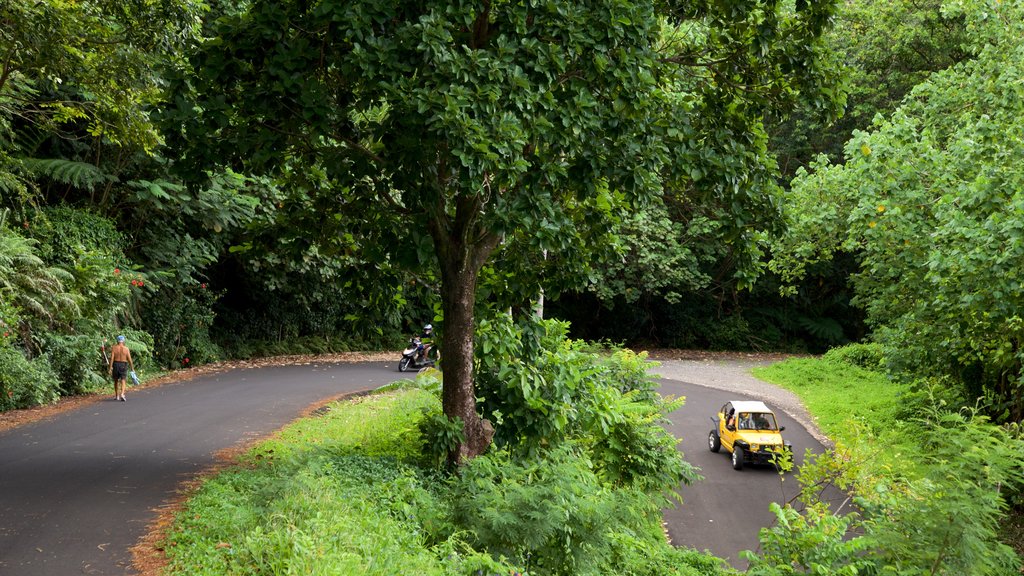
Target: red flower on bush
pixel 117 270
pixel 186 361
pixel 203 286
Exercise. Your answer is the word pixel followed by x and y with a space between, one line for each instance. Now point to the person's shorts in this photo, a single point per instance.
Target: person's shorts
pixel 120 370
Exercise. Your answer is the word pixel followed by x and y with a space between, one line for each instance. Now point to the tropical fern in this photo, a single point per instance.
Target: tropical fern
pixel 10 185
pixel 29 283
pixel 78 174
pixel 825 329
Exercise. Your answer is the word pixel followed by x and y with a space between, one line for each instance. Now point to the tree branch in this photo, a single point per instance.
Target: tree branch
pixel 7 70
pixel 481 28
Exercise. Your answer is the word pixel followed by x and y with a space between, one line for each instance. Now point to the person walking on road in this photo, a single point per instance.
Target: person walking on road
pixel 120 361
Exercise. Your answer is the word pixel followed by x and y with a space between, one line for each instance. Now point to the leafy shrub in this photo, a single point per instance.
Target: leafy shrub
pixel 549 514
pixel 939 513
pixel 542 390
pixel 90 247
pixel 629 446
pixel 869 356
pixel 526 393
pixel 635 555
pixel 24 382
pixel 948 518
pixel 552 514
pixel 814 541
pixel 77 360
pixel 180 321
pixel 63 231
pixel 441 436
pixel 730 333
pixel 10 318
pixel 926 394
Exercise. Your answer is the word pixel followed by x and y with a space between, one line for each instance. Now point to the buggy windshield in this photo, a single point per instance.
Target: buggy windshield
pixel 757 421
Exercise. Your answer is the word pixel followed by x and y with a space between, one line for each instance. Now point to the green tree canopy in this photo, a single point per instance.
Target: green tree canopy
pixel 931 201
pixel 85 73
pixel 887 48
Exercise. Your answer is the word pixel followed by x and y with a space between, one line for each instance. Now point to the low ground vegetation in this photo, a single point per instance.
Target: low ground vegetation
pixel 364 487
pixel 932 484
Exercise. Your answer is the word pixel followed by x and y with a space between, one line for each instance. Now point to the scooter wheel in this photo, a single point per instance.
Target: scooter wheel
pixel 403 364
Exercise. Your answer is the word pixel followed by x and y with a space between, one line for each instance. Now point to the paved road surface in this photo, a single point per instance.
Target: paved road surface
pixel 77 491
pixel 723 513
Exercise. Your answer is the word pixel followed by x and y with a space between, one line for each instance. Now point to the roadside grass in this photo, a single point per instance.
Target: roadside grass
pixel 835 393
pixel 856 408
pixel 337 493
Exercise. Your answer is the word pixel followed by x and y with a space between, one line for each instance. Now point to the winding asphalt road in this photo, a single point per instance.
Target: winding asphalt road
pixel 723 513
pixel 77 491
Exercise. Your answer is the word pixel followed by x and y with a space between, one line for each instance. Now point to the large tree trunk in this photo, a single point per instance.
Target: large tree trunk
pixel 462 249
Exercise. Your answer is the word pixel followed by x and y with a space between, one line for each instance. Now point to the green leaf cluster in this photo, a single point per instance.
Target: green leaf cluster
pixel 24 382
pixel 553 515
pixel 884 50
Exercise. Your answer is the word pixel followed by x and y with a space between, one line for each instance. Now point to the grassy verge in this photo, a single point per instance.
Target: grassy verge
pixel 332 494
pixel 833 393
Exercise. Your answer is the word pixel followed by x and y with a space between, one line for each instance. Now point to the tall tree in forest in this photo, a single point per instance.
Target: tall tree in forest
pixel 482 121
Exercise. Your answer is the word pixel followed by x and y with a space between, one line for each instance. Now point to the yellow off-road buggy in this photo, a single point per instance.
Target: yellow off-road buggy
pixel 749 431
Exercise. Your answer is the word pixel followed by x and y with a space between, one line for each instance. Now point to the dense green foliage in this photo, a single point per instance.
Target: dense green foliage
pixel 930 203
pixel 101 234
pixel 339 172
pixel 315 258
pixel 541 390
pixel 440 134
pixel 887 49
pixel 677 286
pixel 61 290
